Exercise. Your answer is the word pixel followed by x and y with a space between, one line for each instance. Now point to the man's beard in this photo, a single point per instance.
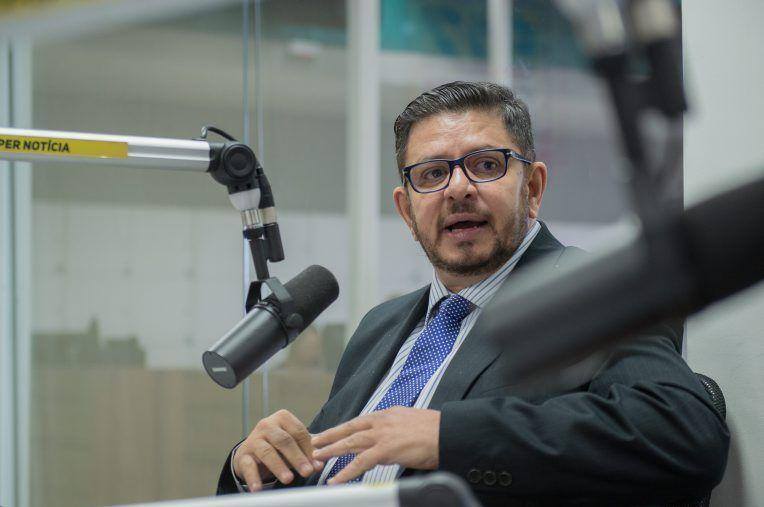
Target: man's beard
pixel 505 243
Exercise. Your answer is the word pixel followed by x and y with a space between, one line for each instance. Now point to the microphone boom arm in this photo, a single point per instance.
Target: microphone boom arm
pixel 229 162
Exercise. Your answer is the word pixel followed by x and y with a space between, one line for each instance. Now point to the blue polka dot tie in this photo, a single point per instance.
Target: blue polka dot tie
pixel 430 349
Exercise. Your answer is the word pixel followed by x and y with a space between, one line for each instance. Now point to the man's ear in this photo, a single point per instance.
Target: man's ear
pixel 403 207
pixel 536 184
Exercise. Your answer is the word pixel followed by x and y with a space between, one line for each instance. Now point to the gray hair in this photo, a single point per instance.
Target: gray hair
pixel 460 96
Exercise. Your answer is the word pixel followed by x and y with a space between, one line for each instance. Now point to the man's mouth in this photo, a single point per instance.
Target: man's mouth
pixel 466 225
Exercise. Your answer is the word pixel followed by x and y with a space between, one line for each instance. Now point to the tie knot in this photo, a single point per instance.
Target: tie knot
pixel 456 307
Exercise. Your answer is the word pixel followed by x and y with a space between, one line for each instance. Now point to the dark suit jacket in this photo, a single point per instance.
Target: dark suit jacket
pixel 631 425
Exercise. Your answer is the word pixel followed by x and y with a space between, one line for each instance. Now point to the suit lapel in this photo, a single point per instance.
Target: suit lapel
pixel 354 395
pixel 543 244
pixel 477 352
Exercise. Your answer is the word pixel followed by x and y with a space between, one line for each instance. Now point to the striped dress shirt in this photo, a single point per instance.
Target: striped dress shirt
pixel 479 295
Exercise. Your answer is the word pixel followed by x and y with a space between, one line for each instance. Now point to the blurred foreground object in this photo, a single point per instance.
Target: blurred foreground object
pixel 434 490
pixel 555 317
pixel 681 261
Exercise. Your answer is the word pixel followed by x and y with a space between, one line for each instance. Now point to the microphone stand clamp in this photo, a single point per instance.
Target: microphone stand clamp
pixel 235 165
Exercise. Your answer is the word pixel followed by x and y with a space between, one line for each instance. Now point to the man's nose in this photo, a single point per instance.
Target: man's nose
pixel 460 186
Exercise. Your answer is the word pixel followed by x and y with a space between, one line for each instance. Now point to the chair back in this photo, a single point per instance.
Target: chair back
pixel 717 399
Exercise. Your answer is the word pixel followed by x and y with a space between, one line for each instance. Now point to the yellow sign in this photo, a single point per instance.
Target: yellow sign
pixel 62 147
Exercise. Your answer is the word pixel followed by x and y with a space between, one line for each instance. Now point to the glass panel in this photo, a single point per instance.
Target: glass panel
pixel 136 272
pixel 303 78
pixel 574 130
pixel 5 313
pixel 587 201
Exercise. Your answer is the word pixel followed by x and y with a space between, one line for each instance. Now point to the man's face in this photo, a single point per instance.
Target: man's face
pixel 468 228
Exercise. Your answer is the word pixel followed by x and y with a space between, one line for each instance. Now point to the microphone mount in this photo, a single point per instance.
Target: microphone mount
pixel 235 165
pixel 291 319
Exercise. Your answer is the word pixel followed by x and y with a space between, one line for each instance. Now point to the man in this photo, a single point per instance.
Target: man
pixel 420 388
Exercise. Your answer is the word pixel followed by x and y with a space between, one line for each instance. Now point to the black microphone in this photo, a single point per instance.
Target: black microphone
pixel 557 317
pixel 265 329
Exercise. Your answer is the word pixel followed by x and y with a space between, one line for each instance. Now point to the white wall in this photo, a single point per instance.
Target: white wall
pixel 724 47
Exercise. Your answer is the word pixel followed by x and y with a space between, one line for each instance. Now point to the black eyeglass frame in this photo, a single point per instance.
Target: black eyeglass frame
pixel 508 153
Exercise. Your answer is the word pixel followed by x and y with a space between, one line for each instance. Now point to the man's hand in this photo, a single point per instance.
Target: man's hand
pixel 277 443
pixel 402 435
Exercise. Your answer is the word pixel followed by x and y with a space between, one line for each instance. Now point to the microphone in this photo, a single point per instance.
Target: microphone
pixel 557 317
pixel 267 328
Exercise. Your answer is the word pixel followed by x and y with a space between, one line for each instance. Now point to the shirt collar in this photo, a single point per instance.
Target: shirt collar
pixel 480 293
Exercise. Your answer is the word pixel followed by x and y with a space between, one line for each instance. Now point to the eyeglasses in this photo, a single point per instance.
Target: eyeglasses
pixel 479 166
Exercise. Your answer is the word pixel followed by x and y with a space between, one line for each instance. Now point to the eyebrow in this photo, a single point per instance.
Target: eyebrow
pixel 440 156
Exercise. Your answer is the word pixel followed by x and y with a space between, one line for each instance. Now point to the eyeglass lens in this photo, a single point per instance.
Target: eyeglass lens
pixel 482 166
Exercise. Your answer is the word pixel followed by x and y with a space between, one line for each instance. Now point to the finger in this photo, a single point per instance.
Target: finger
pixel 355 443
pixel 299 432
pixel 271 458
pixel 286 445
pixel 248 471
pixel 362 463
pixel 343 430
